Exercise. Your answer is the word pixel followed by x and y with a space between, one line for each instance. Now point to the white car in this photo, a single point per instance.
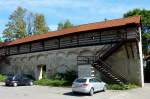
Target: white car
pixel 88 85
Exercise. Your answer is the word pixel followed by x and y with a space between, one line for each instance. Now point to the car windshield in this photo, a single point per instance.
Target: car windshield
pixel 80 80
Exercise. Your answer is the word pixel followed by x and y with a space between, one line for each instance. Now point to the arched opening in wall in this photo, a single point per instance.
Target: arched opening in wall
pixel 41 71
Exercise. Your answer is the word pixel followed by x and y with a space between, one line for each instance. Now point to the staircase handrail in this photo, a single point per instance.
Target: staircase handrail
pixel 110 69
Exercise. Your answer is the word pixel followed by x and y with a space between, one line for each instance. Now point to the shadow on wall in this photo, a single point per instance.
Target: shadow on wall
pixel 4 59
pixel 147 73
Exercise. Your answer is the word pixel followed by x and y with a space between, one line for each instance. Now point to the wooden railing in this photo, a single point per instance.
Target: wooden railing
pixel 59 43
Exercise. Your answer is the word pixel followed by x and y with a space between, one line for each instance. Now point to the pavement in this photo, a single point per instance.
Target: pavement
pixel 45 92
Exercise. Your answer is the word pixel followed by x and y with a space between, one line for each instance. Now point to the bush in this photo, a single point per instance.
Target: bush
pixel 59 79
pixel 68 76
pixel 2 78
pixel 121 86
pixel 51 82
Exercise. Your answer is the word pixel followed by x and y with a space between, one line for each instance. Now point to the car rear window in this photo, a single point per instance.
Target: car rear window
pixel 80 80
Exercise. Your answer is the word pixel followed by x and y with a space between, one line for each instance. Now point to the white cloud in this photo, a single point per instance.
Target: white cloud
pixel 53 27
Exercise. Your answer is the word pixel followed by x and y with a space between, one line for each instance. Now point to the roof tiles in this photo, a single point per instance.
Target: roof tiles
pixel 80 28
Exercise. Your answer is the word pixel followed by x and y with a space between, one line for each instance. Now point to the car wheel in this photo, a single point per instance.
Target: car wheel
pixel 14 84
pixel 104 89
pixel 30 83
pixel 91 92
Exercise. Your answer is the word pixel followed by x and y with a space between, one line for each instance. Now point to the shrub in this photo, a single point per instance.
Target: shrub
pixel 68 76
pixel 59 79
pixel 121 86
pixel 51 82
pixel 2 78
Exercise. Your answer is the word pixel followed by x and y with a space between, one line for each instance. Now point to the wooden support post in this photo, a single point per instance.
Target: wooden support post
pixel 58 42
pixel 30 46
pixel 43 45
pixel 18 49
pixel 127 52
pixel 100 37
pixel 131 47
pixel 77 40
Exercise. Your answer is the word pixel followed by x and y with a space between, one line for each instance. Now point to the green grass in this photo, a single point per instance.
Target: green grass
pixel 51 82
pixel 121 86
pixel 2 78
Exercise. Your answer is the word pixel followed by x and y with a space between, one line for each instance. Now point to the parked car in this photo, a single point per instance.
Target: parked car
pixel 88 85
pixel 16 80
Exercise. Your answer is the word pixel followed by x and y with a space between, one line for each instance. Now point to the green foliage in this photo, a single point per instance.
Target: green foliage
pixel 40 24
pixel 145 14
pixel 23 23
pixel 59 79
pixel 121 86
pixel 69 76
pixel 64 25
pixel 16 27
pixel 2 78
pixel 51 82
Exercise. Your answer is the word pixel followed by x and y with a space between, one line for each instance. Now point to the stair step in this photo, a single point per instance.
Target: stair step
pixel 116 78
pixel 106 71
pixel 92 75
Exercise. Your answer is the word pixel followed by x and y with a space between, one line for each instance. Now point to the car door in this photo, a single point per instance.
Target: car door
pixel 98 85
pixel 25 80
pixel 93 84
pixel 18 79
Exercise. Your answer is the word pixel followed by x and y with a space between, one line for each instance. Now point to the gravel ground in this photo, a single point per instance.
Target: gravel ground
pixel 44 92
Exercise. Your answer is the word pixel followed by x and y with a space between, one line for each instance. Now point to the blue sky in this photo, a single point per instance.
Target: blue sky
pixel 77 11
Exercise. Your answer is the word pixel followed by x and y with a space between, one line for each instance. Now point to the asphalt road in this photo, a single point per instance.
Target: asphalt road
pixel 44 92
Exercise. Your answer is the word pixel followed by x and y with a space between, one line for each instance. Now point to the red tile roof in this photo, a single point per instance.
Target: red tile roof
pixel 80 28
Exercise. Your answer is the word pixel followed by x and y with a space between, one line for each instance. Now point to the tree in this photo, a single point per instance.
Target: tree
pixel 64 25
pixel 145 14
pixel 23 23
pixel 40 24
pixel 16 27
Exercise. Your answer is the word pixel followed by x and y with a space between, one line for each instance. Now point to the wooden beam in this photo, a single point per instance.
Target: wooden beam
pixel 126 49
pixel 43 45
pixel 58 42
pixel 18 49
pixel 137 47
pixel 99 36
pixel 30 46
pixel 131 48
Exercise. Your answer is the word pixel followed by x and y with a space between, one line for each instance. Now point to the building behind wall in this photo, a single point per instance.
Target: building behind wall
pixel 111 49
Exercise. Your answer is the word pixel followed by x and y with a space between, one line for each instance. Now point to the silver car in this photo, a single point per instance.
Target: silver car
pixel 88 85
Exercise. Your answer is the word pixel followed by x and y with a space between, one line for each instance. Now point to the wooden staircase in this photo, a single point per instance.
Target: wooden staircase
pixel 106 69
